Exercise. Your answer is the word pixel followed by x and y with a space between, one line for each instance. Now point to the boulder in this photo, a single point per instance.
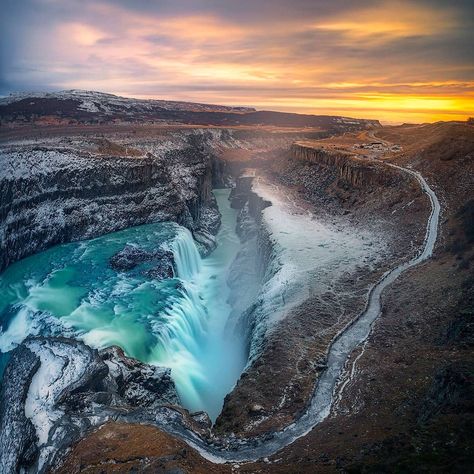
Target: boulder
pixel 131 257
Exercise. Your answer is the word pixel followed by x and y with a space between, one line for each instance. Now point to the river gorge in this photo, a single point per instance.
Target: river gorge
pixel 164 282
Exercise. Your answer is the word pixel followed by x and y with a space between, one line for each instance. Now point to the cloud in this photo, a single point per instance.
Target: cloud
pixel 389 20
pixel 396 59
pixel 82 34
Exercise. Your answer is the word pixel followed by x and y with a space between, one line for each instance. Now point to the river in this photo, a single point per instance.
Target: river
pixel 179 322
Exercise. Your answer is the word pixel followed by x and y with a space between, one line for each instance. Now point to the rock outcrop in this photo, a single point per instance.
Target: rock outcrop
pixel 351 170
pixel 57 389
pixel 17 434
pixel 63 192
pixel 248 271
pixel 130 257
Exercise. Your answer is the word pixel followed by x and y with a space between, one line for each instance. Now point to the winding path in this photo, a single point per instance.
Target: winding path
pixel 323 397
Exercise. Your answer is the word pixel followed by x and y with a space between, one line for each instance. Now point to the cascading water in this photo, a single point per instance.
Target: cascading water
pixel 177 322
pixel 205 362
pixel 186 255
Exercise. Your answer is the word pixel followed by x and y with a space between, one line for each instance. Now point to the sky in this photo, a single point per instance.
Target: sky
pixel 397 61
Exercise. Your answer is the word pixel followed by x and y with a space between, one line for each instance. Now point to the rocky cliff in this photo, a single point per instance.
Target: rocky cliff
pixel 57 389
pixel 69 190
pixel 350 168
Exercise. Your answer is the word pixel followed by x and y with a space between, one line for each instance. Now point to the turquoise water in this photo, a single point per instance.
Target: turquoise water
pixel 178 322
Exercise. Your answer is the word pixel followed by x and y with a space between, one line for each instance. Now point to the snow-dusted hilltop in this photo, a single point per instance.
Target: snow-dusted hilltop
pixel 76 106
pixel 92 101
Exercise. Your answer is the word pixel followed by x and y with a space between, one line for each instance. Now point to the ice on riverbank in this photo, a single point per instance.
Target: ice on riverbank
pixel 309 255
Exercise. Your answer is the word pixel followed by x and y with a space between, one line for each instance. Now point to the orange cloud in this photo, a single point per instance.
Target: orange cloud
pixel 390 60
pixel 82 34
pixel 390 20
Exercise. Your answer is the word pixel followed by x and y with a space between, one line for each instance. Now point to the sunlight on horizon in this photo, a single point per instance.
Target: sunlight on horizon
pixel 394 61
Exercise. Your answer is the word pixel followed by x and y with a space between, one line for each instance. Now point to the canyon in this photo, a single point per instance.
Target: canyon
pixel 316 221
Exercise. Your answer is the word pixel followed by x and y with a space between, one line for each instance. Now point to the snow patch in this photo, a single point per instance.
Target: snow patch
pixel 54 375
pixel 92 101
pixel 309 255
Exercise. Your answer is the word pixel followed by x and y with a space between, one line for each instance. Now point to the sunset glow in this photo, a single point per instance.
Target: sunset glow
pixel 396 61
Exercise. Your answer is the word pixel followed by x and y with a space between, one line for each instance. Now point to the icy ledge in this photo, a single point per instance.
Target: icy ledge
pixel 56 389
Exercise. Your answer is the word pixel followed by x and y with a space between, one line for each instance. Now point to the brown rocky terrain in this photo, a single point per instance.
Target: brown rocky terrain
pixel 342 187
pixel 126 448
pixel 409 406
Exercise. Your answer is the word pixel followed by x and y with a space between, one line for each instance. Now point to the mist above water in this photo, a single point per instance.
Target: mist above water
pixel 208 369
pixel 178 322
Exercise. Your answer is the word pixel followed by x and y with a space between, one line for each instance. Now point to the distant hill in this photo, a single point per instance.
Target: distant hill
pixel 101 102
pixel 77 106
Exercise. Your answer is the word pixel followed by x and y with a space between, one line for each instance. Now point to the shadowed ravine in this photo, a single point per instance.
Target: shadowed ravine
pixel 320 404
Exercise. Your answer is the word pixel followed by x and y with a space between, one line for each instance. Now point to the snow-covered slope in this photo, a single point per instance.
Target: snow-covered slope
pixel 77 106
pixel 92 101
pixel 56 389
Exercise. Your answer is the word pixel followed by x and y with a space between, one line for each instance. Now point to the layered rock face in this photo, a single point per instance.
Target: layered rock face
pixel 341 183
pixel 80 198
pixel 354 171
pixel 70 190
pixel 252 262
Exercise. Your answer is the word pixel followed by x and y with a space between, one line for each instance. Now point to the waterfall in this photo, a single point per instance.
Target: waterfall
pixel 182 327
pixel 72 290
pixel 204 363
pixel 186 255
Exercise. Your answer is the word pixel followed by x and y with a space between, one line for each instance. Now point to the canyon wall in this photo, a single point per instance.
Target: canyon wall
pixel 248 271
pixel 351 169
pixel 361 199
pixel 61 193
